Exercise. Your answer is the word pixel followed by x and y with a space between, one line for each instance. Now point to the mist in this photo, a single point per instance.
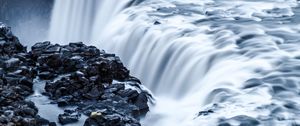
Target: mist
pixel 28 19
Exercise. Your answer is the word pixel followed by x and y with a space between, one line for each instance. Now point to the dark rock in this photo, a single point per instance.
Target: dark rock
pixel 134 79
pixel 61 92
pixel 142 103
pixel 130 94
pixel 64 101
pixel 205 113
pixel 26 81
pixel 52 124
pixel 116 88
pixel 76 44
pixel 40 45
pixel 29 111
pixel 156 23
pixel 5 31
pixel 103 117
pixel 94 93
pixel 73 64
pixel 12 79
pixel 53 49
pixel 9 44
pixel 75 75
pixel 54 61
pixel 224 124
pixel 3 119
pixel 42 121
pixel 16 82
pixel 69 116
pixel 46 75
pixel 12 64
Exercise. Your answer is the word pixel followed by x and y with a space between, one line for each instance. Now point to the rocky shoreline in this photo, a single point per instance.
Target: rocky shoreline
pixel 78 75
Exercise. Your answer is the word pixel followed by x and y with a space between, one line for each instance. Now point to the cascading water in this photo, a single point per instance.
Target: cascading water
pixel 240 56
pixel 75 20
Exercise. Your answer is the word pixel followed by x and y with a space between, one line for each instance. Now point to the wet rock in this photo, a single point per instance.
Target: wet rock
pixel 42 121
pixel 64 101
pixel 73 64
pixel 53 49
pixel 75 75
pixel 88 76
pixel 46 75
pixel 69 116
pixel 40 46
pixel 116 87
pixel 5 31
pixel 142 103
pixel 133 79
pixel 16 83
pixel 52 124
pixel 12 63
pixel 205 113
pixel 209 110
pixel 94 93
pixel 21 113
pixel 106 120
pixel 26 81
pixel 9 44
pixel 107 117
pixel 224 124
pixel 130 94
pixel 156 23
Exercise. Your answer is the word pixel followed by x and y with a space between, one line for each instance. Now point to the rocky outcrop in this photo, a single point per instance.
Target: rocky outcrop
pixel 16 82
pixel 85 76
pixel 76 75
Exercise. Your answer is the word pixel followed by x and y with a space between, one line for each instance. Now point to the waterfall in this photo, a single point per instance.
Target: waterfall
pixel 190 54
pixel 79 20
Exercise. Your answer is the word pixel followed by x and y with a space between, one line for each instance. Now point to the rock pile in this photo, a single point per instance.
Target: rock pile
pixel 16 82
pixel 75 75
pixel 83 75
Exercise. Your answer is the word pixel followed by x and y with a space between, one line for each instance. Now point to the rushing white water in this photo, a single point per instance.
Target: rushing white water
pixel 75 20
pixel 234 57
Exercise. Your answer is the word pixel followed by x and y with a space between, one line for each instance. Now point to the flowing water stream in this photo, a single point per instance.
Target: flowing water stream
pixel 240 54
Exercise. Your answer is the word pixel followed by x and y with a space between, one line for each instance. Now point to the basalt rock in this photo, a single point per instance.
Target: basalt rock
pixel 69 116
pixel 111 113
pixel 22 113
pixel 76 75
pixel 88 77
pixel 9 44
pixel 16 83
